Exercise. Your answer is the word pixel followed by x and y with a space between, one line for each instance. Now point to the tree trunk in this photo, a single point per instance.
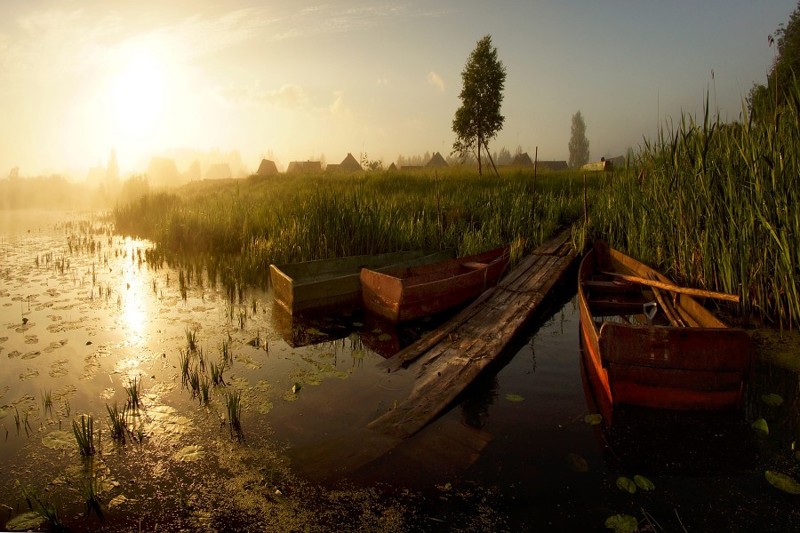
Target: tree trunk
pixel 491 159
pixel 480 172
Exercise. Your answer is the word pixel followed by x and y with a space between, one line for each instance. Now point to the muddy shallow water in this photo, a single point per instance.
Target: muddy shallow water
pixel 83 315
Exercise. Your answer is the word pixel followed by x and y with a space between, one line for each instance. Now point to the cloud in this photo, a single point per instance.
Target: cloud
pixel 291 97
pixel 435 80
pixel 338 108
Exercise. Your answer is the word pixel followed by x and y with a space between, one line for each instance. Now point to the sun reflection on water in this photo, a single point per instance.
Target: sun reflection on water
pixel 135 303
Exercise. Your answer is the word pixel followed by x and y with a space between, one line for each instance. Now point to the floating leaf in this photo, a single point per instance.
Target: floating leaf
pixel 782 482
pixel 58 440
pixel 577 463
pixel 119 500
pixel 593 419
pixel 643 483
pixel 25 522
pixel 296 388
pixel 626 484
pixel 384 337
pixel 761 425
pixel 772 399
pixel 358 324
pixel 516 398
pixel 622 523
pixel 189 453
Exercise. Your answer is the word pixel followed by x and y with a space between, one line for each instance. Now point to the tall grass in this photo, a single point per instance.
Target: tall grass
pixel 236 230
pixel 717 206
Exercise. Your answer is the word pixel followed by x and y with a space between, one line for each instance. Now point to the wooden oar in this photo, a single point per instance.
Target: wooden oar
pixel 675 288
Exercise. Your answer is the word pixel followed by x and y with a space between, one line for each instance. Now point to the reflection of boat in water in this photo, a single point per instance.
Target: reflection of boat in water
pixel 658 441
pixel 406 293
pixel 302 330
pixel 681 357
pixel 335 282
pixel 305 329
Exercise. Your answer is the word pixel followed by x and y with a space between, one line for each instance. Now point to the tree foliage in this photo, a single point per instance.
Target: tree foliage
pixel 762 100
pixel 478 120
pixel 578 143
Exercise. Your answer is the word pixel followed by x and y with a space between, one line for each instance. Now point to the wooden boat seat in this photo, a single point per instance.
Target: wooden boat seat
pixel 610 286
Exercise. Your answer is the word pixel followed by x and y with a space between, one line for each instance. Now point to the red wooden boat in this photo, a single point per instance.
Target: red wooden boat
pixel 402 294
pixel 649 343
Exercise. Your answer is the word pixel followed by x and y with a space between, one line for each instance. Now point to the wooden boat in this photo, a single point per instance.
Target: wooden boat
pixel 402 294
pixel 327 283
pixel 681 358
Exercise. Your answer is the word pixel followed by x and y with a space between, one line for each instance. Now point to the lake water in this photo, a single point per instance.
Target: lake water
pixel 83 315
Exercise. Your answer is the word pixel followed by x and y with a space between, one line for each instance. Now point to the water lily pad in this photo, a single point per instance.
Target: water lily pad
pixel 516 398
pixel 59 440
pixel 25 522
pixel 593 419
pixel 782 482
pixel 190 453
pixel 576 463
pixel 118 500
pixel 622 523
pixel 772 399
pixel 643 483
pixel 626 484
pixel 761 425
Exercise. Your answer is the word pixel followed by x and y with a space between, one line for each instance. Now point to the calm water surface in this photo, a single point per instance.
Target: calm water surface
pixel 83 315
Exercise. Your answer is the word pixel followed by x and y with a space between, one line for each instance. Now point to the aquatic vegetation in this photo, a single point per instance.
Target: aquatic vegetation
pixel 233 404
pixel 133 391
pixel 84 435
pixel 216 373
pixel 205 385
pixel 191 339
pixel 118 425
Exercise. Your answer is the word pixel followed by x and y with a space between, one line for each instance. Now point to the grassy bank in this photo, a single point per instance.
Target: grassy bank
pixel 235 229
pixel 717 206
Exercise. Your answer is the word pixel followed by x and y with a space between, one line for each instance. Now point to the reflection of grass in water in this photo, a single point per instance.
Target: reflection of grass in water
pixel 84 435
pixel 47 402
pixel 184 364
pixel 44 507
pixel 92 499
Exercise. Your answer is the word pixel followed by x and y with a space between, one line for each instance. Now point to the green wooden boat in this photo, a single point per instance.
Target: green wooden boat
pixel 328 283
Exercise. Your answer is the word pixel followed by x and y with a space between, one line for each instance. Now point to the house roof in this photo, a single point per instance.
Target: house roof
pixel 349 163
pixel 267 168
pixel 436 161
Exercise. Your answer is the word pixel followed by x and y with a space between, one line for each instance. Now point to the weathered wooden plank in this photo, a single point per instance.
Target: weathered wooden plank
pixel 450 361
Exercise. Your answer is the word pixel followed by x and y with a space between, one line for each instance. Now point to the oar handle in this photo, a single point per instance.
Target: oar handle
pixel 675 288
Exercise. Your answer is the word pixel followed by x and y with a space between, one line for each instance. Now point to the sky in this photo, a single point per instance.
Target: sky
pixel 296 80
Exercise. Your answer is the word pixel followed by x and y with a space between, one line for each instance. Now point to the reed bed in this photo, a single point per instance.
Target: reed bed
pixel 716 205
pixel 234 231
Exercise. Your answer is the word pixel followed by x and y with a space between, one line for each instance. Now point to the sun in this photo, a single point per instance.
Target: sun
pixel 138 95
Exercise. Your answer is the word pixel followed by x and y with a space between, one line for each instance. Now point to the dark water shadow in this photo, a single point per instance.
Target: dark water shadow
pixel 686 443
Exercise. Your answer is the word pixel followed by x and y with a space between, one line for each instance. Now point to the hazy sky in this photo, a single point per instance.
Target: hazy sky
pixel 302 79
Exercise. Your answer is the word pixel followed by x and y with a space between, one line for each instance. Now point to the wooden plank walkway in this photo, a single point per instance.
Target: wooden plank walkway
pixel 447 360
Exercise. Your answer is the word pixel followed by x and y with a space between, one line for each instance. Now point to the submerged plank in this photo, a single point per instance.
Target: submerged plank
pixel 451 358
